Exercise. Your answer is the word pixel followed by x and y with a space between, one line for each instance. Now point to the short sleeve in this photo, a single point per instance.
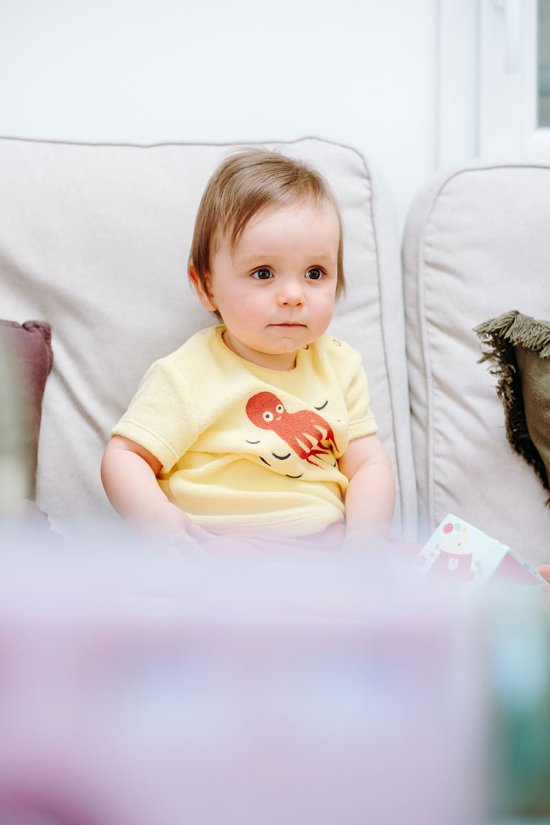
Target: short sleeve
pixel 361 419
pixel 348 365
pixel 161 416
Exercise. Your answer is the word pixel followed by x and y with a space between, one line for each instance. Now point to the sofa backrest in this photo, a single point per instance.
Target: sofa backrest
pixel 94 240
pixel 477 245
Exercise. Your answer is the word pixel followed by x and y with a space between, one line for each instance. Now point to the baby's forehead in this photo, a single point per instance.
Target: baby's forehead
pixel 234 227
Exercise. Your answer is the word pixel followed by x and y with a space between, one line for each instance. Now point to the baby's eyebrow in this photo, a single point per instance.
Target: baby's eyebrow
pixel 256 258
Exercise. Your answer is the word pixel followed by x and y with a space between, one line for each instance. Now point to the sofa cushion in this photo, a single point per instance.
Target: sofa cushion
pixel 29 355
pixel 95 238
pixel 476 244
pixel 518 349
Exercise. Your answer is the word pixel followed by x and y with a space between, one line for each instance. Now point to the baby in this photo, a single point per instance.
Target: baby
pixel 259 426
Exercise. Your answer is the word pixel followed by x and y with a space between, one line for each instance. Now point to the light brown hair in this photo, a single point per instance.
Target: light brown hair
pixel 240 187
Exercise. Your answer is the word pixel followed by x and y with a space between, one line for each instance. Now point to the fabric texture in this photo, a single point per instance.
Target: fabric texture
pixel 28 346
pixel 476 244
pixel 519 354
pixel 247 448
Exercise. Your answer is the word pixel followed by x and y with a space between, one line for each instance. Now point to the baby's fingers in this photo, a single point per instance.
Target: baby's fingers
pixel 197 532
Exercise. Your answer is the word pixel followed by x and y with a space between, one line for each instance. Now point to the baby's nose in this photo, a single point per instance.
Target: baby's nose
pixel 291 295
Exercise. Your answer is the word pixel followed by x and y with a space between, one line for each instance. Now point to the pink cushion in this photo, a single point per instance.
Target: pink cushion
pixel 29 345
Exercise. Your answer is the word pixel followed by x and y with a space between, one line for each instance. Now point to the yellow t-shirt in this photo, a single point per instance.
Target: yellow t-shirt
pixel 249 449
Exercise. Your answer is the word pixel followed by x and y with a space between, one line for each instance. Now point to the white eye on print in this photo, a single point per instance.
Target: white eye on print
pixel 267 416
pixel 279 408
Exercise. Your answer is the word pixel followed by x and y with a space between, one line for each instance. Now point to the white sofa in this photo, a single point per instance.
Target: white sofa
pixel 94 240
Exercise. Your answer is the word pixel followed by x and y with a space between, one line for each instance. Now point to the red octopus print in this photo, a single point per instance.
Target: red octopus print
pixel 305 432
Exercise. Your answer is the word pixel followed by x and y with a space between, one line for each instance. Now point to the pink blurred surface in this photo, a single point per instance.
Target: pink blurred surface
pixel 138 689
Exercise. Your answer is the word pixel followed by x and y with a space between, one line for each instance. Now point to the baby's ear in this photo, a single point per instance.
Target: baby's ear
pixel 201 288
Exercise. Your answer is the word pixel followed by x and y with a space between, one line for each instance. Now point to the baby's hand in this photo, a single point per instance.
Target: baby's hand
pixel 168 522
pixel 194 531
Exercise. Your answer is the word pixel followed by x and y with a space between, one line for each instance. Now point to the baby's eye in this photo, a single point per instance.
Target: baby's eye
pixel 262 274
pixel 314 274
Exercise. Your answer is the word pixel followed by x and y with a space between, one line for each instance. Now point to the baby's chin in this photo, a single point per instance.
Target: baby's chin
pixel 285 341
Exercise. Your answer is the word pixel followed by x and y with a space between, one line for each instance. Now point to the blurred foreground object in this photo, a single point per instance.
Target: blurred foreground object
pixel 142 689
pixel 137 689
pixel 517 640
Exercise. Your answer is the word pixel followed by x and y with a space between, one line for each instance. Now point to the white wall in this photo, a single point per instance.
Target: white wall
pixel 362 72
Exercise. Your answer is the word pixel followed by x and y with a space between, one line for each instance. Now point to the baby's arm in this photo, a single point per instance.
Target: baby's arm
pixel 370 497
pixel 129 475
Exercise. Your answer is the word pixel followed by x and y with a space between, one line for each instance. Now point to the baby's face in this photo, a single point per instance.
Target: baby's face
pixel 275 288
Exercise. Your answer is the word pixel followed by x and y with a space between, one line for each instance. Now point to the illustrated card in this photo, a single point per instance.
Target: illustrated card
pixel 461 553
